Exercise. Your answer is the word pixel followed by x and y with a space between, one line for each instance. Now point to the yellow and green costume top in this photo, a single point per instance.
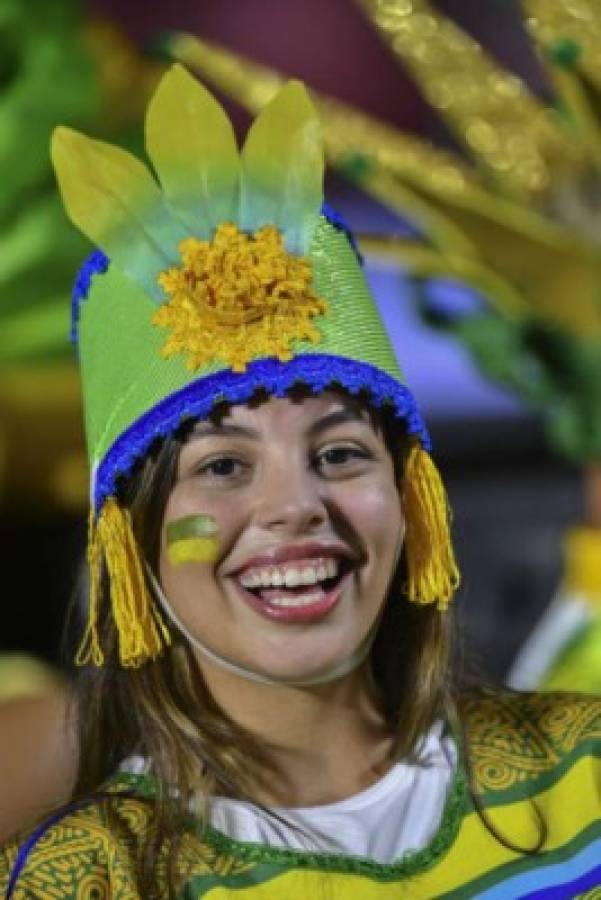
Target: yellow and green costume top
pixel 536 775
pixel 219 274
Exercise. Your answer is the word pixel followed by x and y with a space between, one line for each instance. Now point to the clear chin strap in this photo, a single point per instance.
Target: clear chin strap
pixel 338 671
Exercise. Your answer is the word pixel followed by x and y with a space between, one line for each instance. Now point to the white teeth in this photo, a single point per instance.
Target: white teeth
pixel 307 576
pixel 265 578
pixel 290 577
pixel 305 600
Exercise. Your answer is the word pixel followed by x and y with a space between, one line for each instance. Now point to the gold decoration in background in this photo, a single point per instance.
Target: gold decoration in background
pixel 496 219
pixel 346 128
pixel 571 27
pixel 513 137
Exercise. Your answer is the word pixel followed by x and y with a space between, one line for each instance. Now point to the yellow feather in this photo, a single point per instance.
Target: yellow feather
pixel 113 199
pixel 192 145
pixel 282 168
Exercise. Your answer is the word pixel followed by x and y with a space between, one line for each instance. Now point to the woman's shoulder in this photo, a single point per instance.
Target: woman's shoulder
pixel 96 847
pixel 525 741
pixel 95 843
pixel 566 720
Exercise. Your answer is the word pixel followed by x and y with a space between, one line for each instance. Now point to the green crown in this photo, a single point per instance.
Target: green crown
pixel 224 276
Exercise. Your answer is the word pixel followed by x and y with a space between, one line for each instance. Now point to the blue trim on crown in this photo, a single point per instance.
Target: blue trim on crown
pixel 195 401
pixel 96 263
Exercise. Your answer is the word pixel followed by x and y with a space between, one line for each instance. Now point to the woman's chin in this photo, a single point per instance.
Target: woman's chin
pixel 288 667
pixel 301 660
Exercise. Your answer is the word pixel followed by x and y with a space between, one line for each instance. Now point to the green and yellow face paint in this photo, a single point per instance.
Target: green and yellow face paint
pixel 192 539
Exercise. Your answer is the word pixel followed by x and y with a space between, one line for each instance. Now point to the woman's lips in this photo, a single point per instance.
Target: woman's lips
pixel 310 612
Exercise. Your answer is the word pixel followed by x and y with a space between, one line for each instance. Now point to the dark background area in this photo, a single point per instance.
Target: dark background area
pixel 511 497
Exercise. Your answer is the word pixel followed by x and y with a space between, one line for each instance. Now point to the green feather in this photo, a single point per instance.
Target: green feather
pixel 282 168
pixel 192 145
pixel 112 197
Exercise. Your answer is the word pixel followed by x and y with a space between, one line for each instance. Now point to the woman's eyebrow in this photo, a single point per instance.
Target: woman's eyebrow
pixel 340 417
pixel 226 429
pixel 210 429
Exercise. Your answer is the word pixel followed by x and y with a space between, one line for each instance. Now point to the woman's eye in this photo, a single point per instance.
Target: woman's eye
pixel 340 455
pixel 222 467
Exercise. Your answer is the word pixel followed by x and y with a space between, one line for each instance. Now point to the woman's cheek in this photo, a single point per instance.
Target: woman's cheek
pixel 377 509
pixel 192 539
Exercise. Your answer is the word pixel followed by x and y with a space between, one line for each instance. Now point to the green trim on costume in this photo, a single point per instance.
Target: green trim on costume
pixel 519 712
pixel 456 806
pixel 200 885
pixel 144 786
pixel 537 783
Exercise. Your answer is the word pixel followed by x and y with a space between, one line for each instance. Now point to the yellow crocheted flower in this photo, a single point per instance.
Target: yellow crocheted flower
pixel 236 298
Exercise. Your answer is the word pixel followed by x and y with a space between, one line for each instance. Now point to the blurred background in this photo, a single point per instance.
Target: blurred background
pixel 473 196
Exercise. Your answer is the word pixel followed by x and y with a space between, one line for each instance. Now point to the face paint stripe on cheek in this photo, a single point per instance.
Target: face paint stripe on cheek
pixel 192 539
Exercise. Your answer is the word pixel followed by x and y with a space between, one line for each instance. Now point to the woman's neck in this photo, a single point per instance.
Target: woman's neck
pixel 322 743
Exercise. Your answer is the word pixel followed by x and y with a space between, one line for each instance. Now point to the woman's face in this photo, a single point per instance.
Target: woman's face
pixel 310 529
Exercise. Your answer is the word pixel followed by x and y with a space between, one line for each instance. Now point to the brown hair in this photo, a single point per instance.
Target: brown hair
pixel 165 712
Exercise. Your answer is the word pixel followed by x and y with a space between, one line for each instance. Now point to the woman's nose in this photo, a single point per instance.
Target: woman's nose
pixel 290 498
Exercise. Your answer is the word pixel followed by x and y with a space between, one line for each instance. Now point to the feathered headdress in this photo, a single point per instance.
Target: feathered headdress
pixel 221 275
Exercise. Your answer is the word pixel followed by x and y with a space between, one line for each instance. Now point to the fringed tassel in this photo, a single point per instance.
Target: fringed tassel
pixel 141 631
pixel 90 651
pixel 432 573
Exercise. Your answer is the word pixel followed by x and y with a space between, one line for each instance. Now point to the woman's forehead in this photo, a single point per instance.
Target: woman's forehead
pixel 301 407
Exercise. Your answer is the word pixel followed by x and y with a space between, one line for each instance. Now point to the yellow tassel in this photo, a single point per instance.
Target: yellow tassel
pixel 89 649
pixel 141 631
pixel 432 573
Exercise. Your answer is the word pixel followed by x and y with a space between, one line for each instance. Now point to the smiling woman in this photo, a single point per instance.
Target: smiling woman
pixel 310 530
pixel 266 705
